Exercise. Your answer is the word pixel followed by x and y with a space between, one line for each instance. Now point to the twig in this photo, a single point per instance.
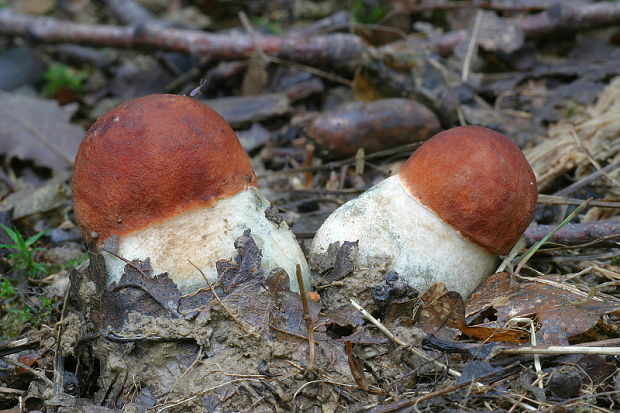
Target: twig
pixel 570 16
pixel 17 392
pixel 199 394
pixel 58 358
pixel 343 52
pixel 319 381
pixel 593 161
pixel 604 351
pixel 401 404
pixel 243 327
pixel 583 233
pixel 561 200
pixel 537 366
pixel 177 381
pixel 17 345
pixel 586 180
pixel 608 240
pixel 471 47
pixel 307 315
pixel 398 341
pixel 29 369
pixel 530 252
pixel 349 161
pixel 272 59
pixel 126 261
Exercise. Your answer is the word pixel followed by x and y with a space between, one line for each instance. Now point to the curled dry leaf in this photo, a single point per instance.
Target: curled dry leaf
pixel 562 311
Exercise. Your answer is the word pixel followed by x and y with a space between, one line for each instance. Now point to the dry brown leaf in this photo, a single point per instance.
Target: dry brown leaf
pixel 561 311
pixel 38 130
pixel 255 79
pixel 445 309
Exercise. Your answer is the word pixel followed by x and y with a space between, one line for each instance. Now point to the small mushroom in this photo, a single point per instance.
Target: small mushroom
pixel 165 177
pixel 465 196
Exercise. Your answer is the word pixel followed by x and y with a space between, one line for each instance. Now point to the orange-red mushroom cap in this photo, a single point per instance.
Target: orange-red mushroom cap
pixel 476 180
pixel 151 158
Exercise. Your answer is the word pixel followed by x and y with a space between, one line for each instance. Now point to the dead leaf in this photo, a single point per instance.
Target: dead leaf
pixel 30 201
pixel 240 110
pixel 561 312
pixel 344 316
pixel 445 309
pixel 38 130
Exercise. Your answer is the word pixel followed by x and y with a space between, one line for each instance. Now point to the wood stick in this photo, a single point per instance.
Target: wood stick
pixel 341 52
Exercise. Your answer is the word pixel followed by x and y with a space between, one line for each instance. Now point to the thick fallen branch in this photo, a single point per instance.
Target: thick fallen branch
pixel 559 17
pixel 499 5
pixel 342 52
pixel 570 16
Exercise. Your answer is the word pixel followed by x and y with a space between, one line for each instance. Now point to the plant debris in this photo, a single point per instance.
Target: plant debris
pixel 328 99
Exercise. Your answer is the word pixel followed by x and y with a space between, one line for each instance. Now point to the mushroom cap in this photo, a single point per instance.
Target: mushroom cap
pixel 478 181
pixel 151 158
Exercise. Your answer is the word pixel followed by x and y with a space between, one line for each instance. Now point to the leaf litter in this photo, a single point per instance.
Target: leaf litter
pixel 243 345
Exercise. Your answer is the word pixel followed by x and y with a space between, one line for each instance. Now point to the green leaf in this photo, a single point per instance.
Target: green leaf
pixel 35 238
pixel 12 234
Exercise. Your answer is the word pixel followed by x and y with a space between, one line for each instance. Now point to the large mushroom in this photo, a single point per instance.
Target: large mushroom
pixel 165 177
pixel 465 196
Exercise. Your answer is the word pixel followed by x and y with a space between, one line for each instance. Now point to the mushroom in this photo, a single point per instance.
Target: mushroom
pixel 465 196
pixel 165 177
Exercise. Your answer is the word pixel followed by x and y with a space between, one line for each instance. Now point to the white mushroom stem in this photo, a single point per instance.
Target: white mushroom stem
pixel 391 226
pixel 205 235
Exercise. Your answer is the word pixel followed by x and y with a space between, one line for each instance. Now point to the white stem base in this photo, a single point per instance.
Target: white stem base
pixel 206 235
pixel 391 225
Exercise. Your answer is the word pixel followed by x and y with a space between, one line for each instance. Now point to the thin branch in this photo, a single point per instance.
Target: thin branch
pixel 558 350
pixel 29 369
pixel 342 52
pixel 400 342
pixel 586 180
pixel 410 147
pixel 561 200
pixel 58 358
pixel 307 315
pixel 593 161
